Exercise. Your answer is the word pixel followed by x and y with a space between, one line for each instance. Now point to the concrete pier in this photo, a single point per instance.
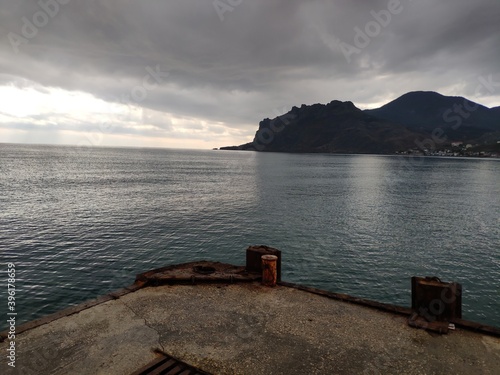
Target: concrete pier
pixel 245 328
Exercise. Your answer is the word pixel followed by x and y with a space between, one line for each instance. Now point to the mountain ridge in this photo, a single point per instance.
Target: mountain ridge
pixel 418 119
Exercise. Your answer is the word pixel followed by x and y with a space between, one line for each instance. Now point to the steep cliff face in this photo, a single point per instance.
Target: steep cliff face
pixel 338 127
pixel 405 123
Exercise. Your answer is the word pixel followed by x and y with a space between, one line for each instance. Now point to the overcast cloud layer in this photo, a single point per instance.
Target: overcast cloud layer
pixel 204 73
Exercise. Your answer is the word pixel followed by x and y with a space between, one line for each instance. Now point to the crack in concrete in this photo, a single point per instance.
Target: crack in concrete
pixel 146 324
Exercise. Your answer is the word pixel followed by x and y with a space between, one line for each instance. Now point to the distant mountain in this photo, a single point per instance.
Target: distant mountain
pixel 425 111
pixel 338 127
pixel 409 122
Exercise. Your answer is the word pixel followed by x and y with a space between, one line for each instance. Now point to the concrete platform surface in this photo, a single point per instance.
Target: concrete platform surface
pixel 246 329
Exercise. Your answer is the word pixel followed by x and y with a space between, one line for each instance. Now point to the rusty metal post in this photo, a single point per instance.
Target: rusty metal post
pixel 269 271
pixel 254 258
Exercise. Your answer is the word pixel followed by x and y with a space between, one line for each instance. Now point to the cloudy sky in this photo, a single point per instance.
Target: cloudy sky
pixel 202 74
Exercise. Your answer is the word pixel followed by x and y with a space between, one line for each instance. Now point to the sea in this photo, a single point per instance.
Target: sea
pixel 77 223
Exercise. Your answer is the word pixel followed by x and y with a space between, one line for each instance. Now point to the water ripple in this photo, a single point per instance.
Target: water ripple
pixel 78 226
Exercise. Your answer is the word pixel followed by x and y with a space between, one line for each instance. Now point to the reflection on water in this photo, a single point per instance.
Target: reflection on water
pixel 81 224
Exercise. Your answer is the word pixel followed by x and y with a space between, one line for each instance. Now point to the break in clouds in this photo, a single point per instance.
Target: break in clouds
pixel 204 73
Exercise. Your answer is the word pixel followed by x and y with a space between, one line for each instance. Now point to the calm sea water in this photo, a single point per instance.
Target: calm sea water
pixel 80 223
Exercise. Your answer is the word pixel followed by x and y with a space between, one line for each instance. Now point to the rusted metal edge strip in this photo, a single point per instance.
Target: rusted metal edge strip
pixel 199 280
pixel 147 275
pixel 73 310
pixel 350 299
pixel 461 323
pixel 477 327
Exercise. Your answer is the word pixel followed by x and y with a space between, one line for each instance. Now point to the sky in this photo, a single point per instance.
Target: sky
pixel 203 74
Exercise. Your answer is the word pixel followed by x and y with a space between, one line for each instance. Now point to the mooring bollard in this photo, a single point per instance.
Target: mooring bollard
pixel 435 304
pixel 254 258
pixel 436 300
pixel 269 272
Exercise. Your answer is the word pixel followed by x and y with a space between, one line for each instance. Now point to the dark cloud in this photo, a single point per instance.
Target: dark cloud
pixel 263 57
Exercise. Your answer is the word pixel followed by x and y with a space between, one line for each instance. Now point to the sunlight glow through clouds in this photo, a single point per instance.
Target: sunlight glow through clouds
pixel 25 102
pixel 32 114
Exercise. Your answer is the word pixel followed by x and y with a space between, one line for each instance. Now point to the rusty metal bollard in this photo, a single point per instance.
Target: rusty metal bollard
pixel 269 271
pixel 254 258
